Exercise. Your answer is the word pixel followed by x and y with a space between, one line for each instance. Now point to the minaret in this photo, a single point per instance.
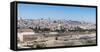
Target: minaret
pixel 49 20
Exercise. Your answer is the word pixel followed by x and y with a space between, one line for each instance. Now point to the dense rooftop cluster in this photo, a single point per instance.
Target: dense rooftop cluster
pixel 50 24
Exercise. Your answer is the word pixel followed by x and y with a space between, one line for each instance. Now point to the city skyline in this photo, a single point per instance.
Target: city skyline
pixel 33 11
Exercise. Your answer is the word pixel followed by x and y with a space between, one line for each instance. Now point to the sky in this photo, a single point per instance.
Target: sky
pixel 34 11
